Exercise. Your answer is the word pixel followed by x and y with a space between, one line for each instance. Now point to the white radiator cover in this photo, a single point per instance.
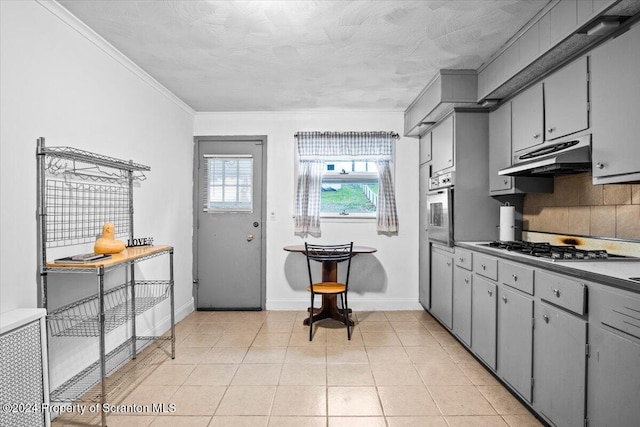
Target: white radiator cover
pixel 23 368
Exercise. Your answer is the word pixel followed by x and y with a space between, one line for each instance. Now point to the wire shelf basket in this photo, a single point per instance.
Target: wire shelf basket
pixel 81 318
pixel 120 370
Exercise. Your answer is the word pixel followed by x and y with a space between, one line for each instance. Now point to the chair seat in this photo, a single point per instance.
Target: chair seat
pixel 327 288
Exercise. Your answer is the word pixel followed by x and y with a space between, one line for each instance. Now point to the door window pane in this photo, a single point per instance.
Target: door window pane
pixel 228 184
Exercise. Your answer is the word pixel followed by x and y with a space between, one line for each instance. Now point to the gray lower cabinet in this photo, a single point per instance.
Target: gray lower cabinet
pixel 614 362
pixel 484 294
pixel 462 304
pixel 515 340
pixel 560 366
pixel 442 285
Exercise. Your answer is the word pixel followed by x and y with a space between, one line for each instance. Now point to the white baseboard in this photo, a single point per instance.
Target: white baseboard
pixel 162 325
pixel 360 304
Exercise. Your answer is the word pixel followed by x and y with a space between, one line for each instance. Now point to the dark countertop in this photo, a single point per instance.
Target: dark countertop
pixel 611 273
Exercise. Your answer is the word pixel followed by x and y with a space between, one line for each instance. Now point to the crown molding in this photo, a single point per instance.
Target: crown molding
pixel 85 31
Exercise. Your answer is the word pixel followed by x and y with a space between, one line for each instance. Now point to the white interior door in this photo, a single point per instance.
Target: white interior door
pixel 229 274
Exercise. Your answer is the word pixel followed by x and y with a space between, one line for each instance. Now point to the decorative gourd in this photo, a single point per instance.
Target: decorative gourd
pixel 106 244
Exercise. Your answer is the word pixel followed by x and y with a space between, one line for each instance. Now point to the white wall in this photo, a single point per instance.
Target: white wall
pixel 61 81
pixel 386 280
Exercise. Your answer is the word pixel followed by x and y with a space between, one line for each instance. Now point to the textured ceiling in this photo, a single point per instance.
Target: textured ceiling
pixel 302 55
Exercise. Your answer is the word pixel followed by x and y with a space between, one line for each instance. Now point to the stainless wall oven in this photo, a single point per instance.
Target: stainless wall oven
pixel 440 209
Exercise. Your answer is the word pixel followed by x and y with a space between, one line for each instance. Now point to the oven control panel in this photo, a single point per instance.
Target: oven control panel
pixel 441 181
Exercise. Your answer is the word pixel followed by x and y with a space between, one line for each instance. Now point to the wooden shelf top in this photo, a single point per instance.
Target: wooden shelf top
pixel 128 255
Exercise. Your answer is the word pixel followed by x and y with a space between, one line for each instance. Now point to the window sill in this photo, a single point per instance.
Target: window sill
pixel 347 218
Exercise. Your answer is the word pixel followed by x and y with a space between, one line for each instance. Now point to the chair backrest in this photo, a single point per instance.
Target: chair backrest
pixel 321 253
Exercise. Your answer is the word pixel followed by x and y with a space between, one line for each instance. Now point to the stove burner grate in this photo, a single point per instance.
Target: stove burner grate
pixel 546 250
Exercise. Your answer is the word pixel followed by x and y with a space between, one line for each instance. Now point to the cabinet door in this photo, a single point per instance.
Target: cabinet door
pixel 442 145
pixel 424 257
pixel 526 114
pixel 560 366
pixel 500 148
pixel 614 380
pixel 565 100
pixel 462 304
pixel 425 148
pixel 442 286
pixel 515 340
pixel 483 319
pixel 615 90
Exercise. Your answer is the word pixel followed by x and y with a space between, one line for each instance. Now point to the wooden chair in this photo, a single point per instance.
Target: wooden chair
pixel 329 255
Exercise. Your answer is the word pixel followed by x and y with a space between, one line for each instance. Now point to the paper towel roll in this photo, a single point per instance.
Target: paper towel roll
pixel 507 223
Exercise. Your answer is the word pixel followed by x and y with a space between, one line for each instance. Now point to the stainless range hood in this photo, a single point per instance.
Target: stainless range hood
pixel 572 155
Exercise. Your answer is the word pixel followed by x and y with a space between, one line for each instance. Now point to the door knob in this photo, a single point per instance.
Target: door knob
pixel 256 223
pixel 249 237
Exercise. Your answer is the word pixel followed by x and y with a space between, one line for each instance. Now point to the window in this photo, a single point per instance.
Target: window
pixel 335 169
pixel 229 184
pixel 349 187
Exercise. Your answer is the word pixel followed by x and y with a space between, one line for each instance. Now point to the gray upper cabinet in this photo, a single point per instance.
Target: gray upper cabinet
pixel 515 340
pixel 565 100
pixel 425 148
pixel 527 118
pixel 560 366
pixel 615 94
pixel 500 158
pixel 442 145
pixel 500 148
pixel 526 55
pixel 447 89
pixel 562 20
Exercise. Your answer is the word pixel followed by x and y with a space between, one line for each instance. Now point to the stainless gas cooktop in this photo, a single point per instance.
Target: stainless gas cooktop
pixel 558 253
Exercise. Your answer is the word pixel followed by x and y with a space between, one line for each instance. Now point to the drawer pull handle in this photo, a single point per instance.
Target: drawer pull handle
pixel 466 280
pixel 536 135
pixel 504 299
pixel 515 277
pixel 556 292
pixel 461 259
pixel 490 293
pixel 484 267
pixel 448 263
pixel 546 318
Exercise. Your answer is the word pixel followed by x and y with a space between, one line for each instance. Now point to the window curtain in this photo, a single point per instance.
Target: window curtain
pixel 316 147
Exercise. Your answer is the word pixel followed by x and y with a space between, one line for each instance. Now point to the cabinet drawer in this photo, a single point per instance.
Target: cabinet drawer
pixel 621 312
pixel 486 266
pixel 516 275
pixel 562 291
pixel 464 259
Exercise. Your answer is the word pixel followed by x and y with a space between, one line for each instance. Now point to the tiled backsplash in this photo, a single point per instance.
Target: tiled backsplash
pixel 578 207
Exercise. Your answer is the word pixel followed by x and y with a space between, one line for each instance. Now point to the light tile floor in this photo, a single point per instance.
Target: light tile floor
pixel 259 369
